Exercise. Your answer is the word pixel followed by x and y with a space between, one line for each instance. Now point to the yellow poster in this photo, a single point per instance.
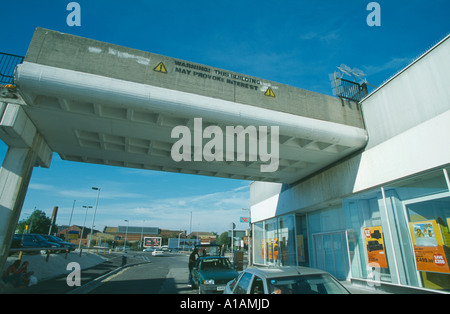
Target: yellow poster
pixel 270 250
pixel 301 248
pixel 428 246
pixel 275 249
pixel 264 254
pixel 376 251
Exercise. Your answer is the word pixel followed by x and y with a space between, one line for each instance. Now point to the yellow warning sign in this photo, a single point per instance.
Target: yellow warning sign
pixel 160 68
pixel 270 92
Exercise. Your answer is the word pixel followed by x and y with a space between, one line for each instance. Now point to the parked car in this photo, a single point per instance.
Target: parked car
pixel 211 274
pixel 158 252
pixel 284 280
pixel 16 242
pixel 59 241
pixel 36 241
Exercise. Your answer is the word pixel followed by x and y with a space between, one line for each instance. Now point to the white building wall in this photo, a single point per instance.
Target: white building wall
pixel 416 94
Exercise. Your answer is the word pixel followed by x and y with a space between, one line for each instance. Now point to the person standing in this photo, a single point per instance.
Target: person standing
pixel 192 260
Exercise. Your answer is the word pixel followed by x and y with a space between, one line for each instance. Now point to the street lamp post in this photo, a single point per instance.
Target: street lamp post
pixel 95 211
pixel 84 223
pixel 179 235
pixel 249 236
pixel 126 233
pixel 70 220
pixel 142 235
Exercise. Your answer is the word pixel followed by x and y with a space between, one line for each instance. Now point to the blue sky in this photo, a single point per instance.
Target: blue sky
pixel 291 42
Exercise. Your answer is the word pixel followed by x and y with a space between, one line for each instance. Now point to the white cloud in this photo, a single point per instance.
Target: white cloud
pixel 82 193
pixel 210 212
pixel 395 64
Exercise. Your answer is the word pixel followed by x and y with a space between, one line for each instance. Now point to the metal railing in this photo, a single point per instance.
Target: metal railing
pixel 47 251
pixel 8 63
pixel 350 90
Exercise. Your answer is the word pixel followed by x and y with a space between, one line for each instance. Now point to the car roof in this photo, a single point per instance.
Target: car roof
pixel 283 271
pixel 208 245
pixel 212 257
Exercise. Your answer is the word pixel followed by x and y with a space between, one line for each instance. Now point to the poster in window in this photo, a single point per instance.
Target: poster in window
pixel 301 248
pixel 275 249
pixel 428 246
pixel 376 251
pixel 270 250
pixel 264 253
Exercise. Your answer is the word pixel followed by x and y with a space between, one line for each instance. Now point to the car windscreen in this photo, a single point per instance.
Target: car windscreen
pixel 55 239
pixel 208 250
pixel 306 284
pixel 40 238
pixel 215 264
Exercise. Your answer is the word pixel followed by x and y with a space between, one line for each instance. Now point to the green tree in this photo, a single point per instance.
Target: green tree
pixel 38 222
pixel 224 239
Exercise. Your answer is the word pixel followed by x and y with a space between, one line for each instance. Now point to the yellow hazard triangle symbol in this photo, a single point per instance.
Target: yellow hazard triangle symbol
pixel 270 92
pixel 160 68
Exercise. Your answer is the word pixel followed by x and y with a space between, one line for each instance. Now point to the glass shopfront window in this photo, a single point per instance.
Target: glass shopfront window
pixel 301 228
pixel 369 258
pixel 423 204
pixel 286 234
pixel 399 233
pixel 327 238
pixel 274 241
pixel 258 243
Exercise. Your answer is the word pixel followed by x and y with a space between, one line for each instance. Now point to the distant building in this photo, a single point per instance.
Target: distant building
pixel 204 237
pixel 73 233
pixel 137 233
pixel 132 233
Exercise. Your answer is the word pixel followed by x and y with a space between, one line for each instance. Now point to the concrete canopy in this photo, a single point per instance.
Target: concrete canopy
pixel 100 103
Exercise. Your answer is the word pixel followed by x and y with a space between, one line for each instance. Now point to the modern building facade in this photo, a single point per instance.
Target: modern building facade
pixel 382 215
pixel 360 189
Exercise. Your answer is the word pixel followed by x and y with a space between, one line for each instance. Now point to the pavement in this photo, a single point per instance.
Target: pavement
pixel 93 266
pixel 358 289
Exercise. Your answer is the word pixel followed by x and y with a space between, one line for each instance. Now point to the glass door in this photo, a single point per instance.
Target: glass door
pixel 330 253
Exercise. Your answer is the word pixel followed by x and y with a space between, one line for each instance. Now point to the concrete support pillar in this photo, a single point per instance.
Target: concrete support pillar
pixel 15 175
pixel 26 149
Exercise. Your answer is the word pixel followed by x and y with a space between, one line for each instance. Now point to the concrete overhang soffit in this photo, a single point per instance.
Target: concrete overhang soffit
pixel 58 82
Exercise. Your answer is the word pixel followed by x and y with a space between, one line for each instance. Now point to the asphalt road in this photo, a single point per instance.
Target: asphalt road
pixel 161 275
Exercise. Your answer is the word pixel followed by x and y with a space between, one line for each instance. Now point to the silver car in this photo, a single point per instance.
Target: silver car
pixel 284 280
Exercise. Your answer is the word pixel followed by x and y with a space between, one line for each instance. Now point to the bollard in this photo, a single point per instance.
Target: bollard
pixel 124 260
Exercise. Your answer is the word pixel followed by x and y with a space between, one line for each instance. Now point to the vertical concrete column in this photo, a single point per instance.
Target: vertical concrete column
pixel 15 175
pixel 26 149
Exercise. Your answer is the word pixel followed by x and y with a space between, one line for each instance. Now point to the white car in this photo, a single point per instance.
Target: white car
pixel 158 252
pixel 284 280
